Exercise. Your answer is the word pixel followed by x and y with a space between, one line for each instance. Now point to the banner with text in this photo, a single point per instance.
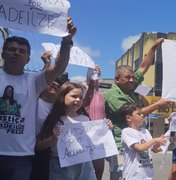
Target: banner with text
pixel 86 141
pixel 77 55
pixel 43 16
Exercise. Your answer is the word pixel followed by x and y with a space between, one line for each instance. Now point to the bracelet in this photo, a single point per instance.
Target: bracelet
pixel 66 44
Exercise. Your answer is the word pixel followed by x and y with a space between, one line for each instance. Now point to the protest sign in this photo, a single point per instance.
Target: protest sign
pixel 77 56
pixel 171 136
pixel 172 126
pixel 43 16
pixel 169 63
pixel 86 141
pixel 171 132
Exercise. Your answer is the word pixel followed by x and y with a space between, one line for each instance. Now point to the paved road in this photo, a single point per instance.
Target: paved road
pixel 160 174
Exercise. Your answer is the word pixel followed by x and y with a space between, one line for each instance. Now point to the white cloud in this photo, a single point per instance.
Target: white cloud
pixel 129 41
pixel 88 50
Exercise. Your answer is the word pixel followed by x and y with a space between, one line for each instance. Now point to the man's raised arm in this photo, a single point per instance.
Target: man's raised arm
pixel 148 58
pixel 63 55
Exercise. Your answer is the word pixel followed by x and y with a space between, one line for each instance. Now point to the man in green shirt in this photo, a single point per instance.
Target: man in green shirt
pixel 116 97
pixel 122 91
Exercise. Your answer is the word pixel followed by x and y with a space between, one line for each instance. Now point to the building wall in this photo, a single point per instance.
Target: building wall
pixel 149 76
pixel 153 76
pixel 171 35
pixel 134 56
pixel 130 57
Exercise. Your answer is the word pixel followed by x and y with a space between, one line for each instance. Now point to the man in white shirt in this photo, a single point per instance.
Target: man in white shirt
pixel 18 133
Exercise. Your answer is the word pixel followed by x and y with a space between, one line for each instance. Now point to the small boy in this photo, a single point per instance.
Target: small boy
pixel 172 175
pixel 137 143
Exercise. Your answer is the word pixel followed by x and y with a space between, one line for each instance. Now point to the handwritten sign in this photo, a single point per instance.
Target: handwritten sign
pixel 77 56
pixel 86 141
pixel 43 16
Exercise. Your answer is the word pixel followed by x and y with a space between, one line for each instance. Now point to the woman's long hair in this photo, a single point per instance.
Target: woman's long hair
pixel 57 110
pixel 5 95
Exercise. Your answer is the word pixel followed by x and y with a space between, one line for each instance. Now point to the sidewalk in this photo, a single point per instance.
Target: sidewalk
pixel 160 174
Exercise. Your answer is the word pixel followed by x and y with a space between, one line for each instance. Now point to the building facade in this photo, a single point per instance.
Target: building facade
pixel 152 78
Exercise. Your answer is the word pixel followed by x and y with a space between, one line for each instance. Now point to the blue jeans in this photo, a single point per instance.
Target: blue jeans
pixel 15 167
pixel 82 171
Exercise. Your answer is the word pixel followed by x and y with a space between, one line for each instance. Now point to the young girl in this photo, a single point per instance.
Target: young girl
pixel 67 109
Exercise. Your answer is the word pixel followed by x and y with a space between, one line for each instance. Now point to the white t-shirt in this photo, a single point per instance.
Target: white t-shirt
pixel 17 125
pixel 137 166
pixel 67 120
pixel 43 109
pixel 79 171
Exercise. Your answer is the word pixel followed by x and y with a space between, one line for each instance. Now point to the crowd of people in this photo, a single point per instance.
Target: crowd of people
pixel 34 105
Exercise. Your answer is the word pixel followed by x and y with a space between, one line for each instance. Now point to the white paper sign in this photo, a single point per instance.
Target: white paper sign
pixel 169 64
pixel 43 16
pixel 86 141
pixel 77 56
pixel 53 48
pixel 143 89
pixel 164 147
pixel 172 126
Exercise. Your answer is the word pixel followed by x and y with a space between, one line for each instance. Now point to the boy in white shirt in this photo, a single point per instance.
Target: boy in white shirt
pixel 137 143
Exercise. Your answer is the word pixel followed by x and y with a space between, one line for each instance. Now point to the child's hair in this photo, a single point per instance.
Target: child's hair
pixel 58 110
pixel 128 108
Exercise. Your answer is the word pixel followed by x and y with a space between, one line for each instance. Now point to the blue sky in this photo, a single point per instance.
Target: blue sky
pixel 106 29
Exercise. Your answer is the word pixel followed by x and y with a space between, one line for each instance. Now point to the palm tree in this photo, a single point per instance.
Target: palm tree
pixel 5 34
